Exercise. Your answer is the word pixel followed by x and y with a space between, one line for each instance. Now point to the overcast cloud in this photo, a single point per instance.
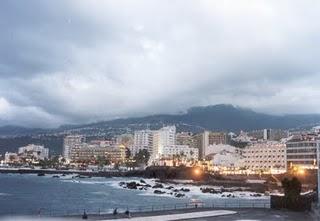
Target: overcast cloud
pixel 82 61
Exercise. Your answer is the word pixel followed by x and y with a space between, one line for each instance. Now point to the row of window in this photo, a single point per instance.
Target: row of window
pixel 265 156
pixel 302 156
pixel 311 162
pixel 304 150
pixel 275 161
pixel 301 145
pixel 263 151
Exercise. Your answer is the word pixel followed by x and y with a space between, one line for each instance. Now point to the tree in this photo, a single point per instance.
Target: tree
pixel 142 156
pixel 292 190
pixel 102 160
pixel 128 153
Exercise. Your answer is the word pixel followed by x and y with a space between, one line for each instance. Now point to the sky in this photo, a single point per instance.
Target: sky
pixel 71 61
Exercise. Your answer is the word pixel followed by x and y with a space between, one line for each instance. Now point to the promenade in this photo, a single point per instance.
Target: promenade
pixel 180 216
pixel 205 214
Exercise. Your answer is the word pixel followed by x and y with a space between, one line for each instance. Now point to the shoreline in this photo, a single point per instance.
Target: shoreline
pixel 145 174
pixel 52 171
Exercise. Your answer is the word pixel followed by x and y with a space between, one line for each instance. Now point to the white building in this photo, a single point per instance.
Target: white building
pixel 154 140
pixel 227 159
pixel 266 134
pixel 183 151
pixel 268 156
pixel 36 151
pixel 218 148
pixel 163 137
pixel 70 142
pixel 223 155
pixel 302 153
pixel 143 139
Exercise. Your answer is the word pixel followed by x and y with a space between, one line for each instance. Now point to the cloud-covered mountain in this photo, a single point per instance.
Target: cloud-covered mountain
pixel 217 117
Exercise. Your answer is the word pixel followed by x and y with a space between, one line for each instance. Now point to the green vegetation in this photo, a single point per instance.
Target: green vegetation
pixel 142 157
pixel 292 190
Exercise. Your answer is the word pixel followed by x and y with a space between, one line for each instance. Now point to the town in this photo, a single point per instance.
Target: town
pixel 268 151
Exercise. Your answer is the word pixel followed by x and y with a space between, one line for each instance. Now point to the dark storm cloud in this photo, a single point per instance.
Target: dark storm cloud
pixel 82 61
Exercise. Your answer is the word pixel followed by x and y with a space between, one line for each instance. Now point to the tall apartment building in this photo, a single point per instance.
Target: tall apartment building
pixel 142 139
pixel 302 152
pixel 85 152
pixel 265 156
pixel 163 137
pixel 185 138
pixel 266 134
pixel 70 142
pixel 154 140
pixel 204 140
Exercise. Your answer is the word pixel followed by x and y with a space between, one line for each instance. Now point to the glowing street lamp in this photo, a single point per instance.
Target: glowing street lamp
pixel 197 171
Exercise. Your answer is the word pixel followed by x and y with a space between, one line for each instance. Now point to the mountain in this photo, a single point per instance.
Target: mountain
pixel 10 130
pixel 216 117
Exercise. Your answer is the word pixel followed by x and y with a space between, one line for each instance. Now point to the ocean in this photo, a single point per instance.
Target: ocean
pixel 29 194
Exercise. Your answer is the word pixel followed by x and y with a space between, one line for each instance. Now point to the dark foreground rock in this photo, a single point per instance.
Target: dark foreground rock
pixel 159 192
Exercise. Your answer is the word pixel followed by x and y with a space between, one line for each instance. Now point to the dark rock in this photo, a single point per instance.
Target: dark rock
pixel 185 190
pixel 132 185
pixel 158 185
pixel 169 187
pixel 142 181
pixel 158 192
pixel 257 195
pixel 209 190
pixel 179 195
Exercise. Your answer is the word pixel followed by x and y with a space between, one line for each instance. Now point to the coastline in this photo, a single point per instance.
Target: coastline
pixel 54 171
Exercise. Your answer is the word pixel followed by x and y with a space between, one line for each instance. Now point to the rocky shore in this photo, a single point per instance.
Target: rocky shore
pixel 179 190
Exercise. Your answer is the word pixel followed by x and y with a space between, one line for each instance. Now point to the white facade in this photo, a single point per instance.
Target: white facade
pixel 154 140
pixel 227 159
pixel 302 153
pixel 70 142
pixel 37 151
pixel 143 139
pixel 224 155
pixel 217 148
pixel 182 150
pixel 266 156
pixel 163 137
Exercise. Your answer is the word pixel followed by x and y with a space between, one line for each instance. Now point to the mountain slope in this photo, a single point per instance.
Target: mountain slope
pixel 217 117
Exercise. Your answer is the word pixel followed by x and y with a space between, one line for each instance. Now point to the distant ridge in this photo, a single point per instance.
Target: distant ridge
pixel 222 117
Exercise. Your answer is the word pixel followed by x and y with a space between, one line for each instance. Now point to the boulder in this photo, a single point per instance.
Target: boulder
pixel 132 185
pixel 179 195
pixel 158 185
pixel 209 190
pixel 158 192
pixel 185 190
